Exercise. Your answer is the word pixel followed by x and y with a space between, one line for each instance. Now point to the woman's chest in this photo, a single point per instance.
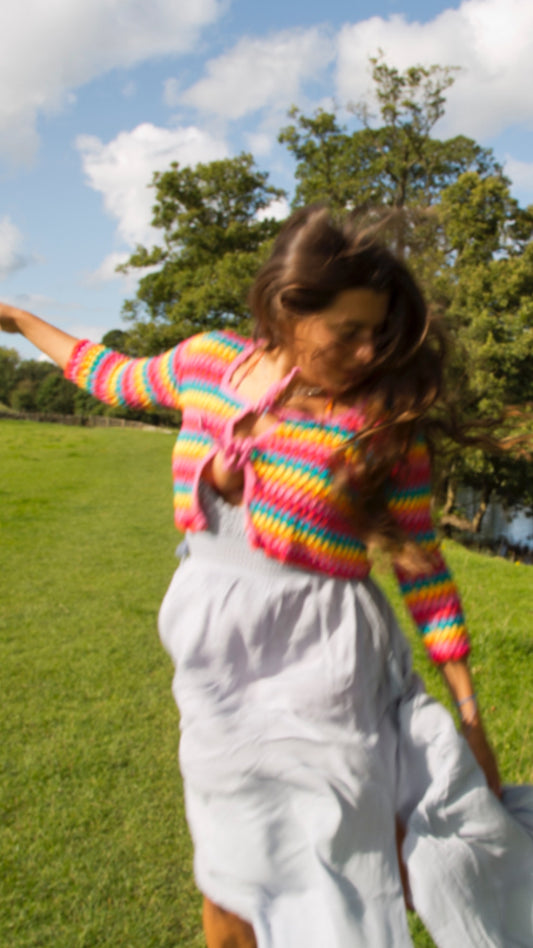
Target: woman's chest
pixel 275 444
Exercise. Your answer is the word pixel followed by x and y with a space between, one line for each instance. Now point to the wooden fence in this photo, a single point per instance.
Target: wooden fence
pixel 88 421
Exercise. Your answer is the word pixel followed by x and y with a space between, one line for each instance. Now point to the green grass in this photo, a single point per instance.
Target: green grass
pixel 94 847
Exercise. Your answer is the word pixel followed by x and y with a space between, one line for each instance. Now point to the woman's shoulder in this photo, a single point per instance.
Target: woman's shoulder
pixel 218 345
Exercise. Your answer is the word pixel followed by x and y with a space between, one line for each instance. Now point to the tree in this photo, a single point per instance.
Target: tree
pixel 398 164
pixel 9 360
pixel 22 379
pixel 22 396
pixel 490 314
pixel 55 394
pixel 116 339
pixel 216 232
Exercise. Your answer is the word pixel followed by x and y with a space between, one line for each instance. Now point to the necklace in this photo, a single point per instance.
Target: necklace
pixel 307 391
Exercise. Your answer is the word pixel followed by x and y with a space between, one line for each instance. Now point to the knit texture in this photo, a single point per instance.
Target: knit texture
pixel 294 510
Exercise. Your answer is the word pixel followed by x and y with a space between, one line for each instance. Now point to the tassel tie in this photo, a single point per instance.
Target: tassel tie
pixel 237 450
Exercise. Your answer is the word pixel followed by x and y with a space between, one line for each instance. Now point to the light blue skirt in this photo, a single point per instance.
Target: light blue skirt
pixel 304 733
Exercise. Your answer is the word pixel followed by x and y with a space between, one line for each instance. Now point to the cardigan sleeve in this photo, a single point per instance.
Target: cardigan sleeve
pixel 431 596
pixel 120 380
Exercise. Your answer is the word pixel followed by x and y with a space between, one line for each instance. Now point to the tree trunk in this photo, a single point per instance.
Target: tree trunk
pixel 450 518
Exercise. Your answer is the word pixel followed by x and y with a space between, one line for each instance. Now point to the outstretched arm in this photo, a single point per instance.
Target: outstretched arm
pixel 53 342
pixel 108 375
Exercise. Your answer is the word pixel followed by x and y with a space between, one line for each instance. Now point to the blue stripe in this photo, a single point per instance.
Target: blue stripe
pixel 193 437
pixel 305 528
pixel 282 461
pixel 210 389
pixel 423 582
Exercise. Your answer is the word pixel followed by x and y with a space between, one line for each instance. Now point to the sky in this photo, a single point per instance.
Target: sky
pixel 96 95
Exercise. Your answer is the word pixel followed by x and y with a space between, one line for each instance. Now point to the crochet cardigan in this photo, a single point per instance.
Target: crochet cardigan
pixel 293 510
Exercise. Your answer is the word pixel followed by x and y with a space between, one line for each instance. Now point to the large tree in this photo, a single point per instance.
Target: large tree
pixel 215 227
pixel 489 310
pixel 396 163
pixel 390 164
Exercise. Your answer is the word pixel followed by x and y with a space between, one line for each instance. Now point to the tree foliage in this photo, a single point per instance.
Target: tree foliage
pixel 395 165
pixel 216 230
pixel 55 394
pixel 9 359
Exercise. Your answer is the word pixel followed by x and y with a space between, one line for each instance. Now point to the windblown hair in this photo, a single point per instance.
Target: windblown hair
pixel 316 257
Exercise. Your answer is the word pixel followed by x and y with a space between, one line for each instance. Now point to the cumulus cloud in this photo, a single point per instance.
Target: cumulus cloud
pixel 278 209
pixel 489 39
pixel 11 242
pixel 48 50
pixel 260 143
pixel 122 169
pixel 521 175
pixel 259 73
pixel 108 268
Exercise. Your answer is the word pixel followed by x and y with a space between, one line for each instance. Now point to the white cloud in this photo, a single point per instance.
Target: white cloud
pixel 122 169
pixel 108 269
pixel 278 209
pixel 49 49
pixel 489 39
pixel 261 143
pixel 107 273
pixel 261 72
pixel 521 174
pixel 11 241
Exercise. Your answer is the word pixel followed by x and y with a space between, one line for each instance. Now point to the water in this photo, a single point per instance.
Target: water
pixel 515 527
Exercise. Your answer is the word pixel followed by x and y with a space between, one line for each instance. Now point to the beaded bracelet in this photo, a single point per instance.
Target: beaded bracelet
pixel 468 724
pixel 472 697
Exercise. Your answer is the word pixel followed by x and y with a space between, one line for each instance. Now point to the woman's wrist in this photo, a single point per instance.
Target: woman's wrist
pixel 468 712
pixel 459 680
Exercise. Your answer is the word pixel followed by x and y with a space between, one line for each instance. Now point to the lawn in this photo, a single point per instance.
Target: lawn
pixel 94 846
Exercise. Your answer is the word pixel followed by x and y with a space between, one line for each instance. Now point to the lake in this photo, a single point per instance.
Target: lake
pixel 515 526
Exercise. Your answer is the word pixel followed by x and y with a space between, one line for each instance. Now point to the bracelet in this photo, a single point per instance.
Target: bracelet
pixel 472 697
pixel 468 723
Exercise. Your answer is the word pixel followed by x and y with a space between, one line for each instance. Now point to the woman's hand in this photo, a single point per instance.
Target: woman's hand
pixel 482 751
pixel 225 477
pixel 10 318
pixel 50 340
pixel 228 483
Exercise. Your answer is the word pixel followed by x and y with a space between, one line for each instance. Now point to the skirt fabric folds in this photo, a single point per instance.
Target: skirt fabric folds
pixel 303 734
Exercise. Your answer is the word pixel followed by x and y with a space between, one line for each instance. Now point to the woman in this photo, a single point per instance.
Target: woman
pixel 306 739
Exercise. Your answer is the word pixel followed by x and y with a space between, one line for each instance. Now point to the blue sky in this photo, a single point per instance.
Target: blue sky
pixel 95 96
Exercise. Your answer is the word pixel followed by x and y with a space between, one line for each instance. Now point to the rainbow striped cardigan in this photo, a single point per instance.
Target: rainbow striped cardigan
pixel 293 510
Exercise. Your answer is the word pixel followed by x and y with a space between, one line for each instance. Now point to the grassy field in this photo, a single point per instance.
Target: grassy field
pixel 94 847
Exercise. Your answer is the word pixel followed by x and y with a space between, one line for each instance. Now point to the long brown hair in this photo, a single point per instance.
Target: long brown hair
pixel 314 258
